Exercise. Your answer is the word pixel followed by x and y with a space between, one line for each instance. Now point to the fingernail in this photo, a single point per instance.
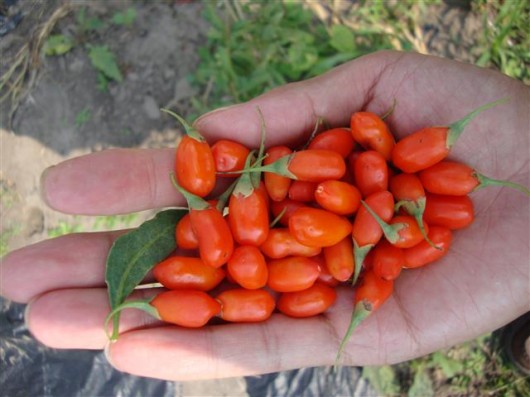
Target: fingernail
pixel 218 110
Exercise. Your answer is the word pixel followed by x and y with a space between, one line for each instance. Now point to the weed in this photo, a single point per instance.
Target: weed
pixel 63 228
pixel 506 39
pixel 58 44
pixel 125 18
pixel 473 368
pixel 88 23
pixel 104 62
pixel 383 379
pixel 82 117
pixel 113 222
pixel 5 236
pixel 259 45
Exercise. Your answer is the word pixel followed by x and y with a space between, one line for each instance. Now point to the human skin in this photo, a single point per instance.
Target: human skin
pixel 482 284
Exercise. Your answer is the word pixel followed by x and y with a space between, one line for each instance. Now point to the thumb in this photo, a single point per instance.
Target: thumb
pixel 291 111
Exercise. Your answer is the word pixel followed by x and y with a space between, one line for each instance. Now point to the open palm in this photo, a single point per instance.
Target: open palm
pixel 482 284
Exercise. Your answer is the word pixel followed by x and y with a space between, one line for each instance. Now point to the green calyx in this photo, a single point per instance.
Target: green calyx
pixel 190 131
pixel 194 202
pixel 391 231
pixel 360 312
pixel 279 167
pixel 484 181
pixel 144 305
pixel 245 183
pixel 416 208
pixel 456 128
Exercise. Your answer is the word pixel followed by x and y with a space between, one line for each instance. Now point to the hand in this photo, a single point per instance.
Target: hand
pixel 482 284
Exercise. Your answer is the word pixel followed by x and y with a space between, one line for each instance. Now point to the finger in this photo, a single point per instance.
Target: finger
pixel 71 261
pixel 113 181
pixel 75 318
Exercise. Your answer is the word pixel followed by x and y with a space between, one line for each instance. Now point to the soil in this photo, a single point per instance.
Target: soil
pixel 64 113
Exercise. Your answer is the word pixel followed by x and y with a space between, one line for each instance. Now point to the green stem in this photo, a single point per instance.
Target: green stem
pixel 277 219
pixel 361 311
pixel 278 167
pixel 359 255
pixel 194 202
pixel 138 304
pixel 190 131
pixel 456 128
pixel 320 120
pixel 484 181
pixel 391 231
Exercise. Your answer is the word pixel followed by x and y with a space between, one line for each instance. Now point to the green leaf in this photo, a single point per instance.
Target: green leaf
pixel 105 62
pixel 125 18
pixel 58 44
pixel 342 39
pixel 103 82
pixel 135 253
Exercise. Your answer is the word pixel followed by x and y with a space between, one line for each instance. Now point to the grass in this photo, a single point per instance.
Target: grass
pixel 80 224
pixel 505 43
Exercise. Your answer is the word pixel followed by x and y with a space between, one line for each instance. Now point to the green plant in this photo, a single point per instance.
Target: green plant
pixel 506 40
pixel 58 44
pixel 5 236
pixel 105 63
pixel 125 18
pixel 64 227
pixel 112 222
pixel 88 23
pixel 473 368
pixel 260 45
pixel 82 117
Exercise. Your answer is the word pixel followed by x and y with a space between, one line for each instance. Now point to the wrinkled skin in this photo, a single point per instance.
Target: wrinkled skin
pixel 482 284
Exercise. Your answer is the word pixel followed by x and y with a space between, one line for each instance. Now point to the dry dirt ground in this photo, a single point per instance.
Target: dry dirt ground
pixel 64 114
